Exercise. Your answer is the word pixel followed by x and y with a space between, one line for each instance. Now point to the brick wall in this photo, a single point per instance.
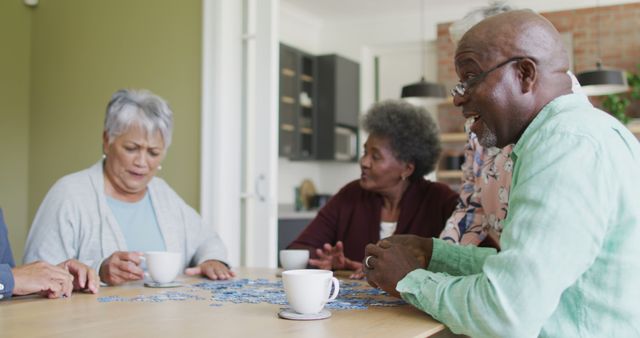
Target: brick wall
pixel 618 36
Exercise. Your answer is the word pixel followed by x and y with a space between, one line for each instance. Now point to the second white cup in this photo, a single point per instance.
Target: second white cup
pixel 163 266
pixel 309 290
pixel 294 259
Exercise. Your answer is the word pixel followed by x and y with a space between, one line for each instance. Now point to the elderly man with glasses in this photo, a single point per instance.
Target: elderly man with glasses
pixel 486 179
pixel 568 265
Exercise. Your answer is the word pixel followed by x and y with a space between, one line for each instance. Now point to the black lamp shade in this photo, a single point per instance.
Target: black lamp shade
pixel 423 89
pixel 603 82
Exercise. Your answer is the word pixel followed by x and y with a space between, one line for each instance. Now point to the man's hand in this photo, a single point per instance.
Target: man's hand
pixel 84 278
pixel 121 267
pixel 39 277
pixel 387 263
pixel 420 247
pixel 211 269
pixel 333 258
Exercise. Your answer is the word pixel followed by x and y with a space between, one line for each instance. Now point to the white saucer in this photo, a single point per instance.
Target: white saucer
pixel 290 314
pixel 162 285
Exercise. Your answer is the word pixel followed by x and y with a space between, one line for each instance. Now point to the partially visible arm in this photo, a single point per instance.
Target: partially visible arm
pixel 441 256
pixel 40 277
pixel 465 224
pixel 6 261
pixel 84 278
pixel 6 281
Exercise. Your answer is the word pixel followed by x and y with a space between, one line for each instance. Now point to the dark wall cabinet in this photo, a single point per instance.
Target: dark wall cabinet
pixel 319 106
pixel 337 110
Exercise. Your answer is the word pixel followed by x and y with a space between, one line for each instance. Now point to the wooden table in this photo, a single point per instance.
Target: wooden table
pixel 82 315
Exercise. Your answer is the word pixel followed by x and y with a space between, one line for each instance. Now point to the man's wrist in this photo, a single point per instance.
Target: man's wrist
pixel 427 250
pixel 7 280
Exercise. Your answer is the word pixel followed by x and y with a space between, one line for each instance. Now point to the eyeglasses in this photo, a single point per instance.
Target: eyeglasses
pixel 461 88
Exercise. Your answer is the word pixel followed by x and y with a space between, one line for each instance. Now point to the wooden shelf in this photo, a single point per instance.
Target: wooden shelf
pixel 306 78
pixel 634 128
pixel 287 127
pixel 306 131
pixel 449 174
pixel 288 99
pixel 288 72
pixel 453 137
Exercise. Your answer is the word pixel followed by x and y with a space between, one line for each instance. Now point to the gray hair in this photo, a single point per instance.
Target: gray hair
pixel 149 111
pixel 411 131
pixel 458 28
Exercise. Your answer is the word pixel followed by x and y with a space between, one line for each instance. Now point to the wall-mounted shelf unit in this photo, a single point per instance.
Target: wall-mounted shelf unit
pixel 297 113
pixel 453 139
pixel 319 106
pixel 449 174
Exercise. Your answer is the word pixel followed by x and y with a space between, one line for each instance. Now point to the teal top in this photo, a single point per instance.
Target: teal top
pixel 138 224
pixel 570 259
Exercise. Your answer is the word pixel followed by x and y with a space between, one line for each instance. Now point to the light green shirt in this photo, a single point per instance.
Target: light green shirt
pixel 570 259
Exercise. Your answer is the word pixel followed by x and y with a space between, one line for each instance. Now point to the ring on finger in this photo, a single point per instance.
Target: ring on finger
pixel 366 262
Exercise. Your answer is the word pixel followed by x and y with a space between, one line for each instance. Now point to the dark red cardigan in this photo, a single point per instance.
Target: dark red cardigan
pixel 353 217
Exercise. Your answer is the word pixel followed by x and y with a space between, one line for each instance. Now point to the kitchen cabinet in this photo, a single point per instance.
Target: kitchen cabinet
pixel 319 106
pixel 338 108
pixel 297 97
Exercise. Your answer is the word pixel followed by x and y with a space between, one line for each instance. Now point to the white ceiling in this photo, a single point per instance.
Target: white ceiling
pixel 327 11
pixel 340 10
pixel 358 10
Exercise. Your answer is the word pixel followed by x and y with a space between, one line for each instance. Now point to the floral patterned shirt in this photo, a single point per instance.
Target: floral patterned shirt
pixel 484 195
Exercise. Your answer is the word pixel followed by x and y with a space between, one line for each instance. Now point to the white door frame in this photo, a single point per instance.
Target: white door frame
pixel 239 127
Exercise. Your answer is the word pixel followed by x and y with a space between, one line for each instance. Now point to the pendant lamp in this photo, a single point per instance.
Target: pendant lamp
pixel 601 81
pixel 423 90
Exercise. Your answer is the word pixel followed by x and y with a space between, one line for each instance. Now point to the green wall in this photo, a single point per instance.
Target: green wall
pixel 59 64
pixel 83 51
pixel 15 21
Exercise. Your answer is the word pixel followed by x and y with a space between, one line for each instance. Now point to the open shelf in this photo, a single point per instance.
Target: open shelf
pixel 634 128
pixel 288 99
pixel 448 174
pixel 453 137
pixel 287 127
pixel 288 72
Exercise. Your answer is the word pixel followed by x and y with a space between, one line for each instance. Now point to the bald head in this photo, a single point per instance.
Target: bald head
pixel 518 33
pixel 511 65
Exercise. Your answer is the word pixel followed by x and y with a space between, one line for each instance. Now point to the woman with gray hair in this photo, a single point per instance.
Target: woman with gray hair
pixel 391 196
pixel 106 216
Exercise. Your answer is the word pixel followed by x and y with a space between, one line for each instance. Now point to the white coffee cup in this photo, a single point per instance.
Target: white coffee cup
pixel 163 266
pixel 309 290
pixel 292 259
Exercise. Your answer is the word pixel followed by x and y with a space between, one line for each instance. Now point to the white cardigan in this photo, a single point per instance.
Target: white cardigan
pixel 74 221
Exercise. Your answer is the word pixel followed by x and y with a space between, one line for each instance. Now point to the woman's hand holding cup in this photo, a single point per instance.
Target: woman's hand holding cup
pixel 121 267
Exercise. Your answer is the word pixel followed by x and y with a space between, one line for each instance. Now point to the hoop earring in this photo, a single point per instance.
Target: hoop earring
pixel 104 156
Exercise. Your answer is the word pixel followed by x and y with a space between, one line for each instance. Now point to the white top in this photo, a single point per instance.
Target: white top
pixel 387 229
pixel 138 223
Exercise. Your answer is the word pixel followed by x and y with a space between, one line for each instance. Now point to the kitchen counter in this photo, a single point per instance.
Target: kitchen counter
pixel 287 211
